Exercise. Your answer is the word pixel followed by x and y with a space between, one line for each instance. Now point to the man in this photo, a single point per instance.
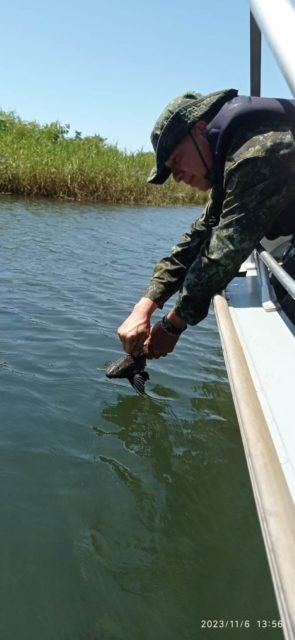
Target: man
pixel 243 149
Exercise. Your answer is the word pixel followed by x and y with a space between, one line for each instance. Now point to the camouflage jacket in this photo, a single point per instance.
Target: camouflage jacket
pixel 258 186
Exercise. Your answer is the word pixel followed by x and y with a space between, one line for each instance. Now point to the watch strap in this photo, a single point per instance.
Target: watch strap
pixel 170 328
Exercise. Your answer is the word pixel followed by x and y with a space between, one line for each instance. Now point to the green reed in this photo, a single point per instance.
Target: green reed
pixel 43 161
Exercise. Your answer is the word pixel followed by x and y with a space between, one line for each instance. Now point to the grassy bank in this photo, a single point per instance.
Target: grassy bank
pixel 43 161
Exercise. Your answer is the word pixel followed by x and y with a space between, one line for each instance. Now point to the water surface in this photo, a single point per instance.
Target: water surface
pixel 122 517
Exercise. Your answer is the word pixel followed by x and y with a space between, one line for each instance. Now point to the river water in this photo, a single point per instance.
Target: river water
pixel 122 517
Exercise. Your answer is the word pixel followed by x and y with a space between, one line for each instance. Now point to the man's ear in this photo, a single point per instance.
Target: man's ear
pixel 200 126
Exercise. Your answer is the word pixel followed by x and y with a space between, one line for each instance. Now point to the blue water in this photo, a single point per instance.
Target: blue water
pixel 122 517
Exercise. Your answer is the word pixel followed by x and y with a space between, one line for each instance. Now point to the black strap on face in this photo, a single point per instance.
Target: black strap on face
pixel 208 172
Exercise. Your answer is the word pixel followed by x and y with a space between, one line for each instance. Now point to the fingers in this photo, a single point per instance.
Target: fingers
pixel 132 345
pixel 137 337
pixel 137 348
pixel 155 355
pixel 160 343
pixel 133 337
pixel 150 352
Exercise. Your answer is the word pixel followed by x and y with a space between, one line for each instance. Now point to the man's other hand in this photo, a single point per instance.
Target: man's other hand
pixel 159 342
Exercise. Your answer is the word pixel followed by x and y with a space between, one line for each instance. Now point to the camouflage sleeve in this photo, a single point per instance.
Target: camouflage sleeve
pixel 256 188
pixel 169 273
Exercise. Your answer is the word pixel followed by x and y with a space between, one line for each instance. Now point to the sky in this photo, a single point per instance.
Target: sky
pixel 109 67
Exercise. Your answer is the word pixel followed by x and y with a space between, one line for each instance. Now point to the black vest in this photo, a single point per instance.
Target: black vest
pixel 244 110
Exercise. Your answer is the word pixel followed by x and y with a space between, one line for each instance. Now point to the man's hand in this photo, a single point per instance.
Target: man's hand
pixel 161 341
pixel 135 330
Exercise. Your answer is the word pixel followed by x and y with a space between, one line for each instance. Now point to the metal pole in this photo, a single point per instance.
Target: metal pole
pixel 255 57
pixel 276 19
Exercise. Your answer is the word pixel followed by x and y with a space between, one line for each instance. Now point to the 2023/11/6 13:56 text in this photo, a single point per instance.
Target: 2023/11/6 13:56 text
pixel 240 624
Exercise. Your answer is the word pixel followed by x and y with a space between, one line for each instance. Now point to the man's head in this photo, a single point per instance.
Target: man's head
pixel 191 161
pixel 182 127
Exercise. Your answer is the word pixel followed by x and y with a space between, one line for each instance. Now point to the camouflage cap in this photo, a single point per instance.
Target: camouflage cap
pixel 177 119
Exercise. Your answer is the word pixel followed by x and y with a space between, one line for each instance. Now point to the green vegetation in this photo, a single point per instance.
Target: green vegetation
pixel 44 161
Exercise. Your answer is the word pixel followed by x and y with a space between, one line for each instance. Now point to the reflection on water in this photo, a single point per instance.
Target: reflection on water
pixel 123 517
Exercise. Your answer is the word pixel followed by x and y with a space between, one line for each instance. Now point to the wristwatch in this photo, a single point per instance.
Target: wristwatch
pixel 170 328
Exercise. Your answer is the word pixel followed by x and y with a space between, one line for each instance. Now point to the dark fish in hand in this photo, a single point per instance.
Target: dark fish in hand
pixel 131 368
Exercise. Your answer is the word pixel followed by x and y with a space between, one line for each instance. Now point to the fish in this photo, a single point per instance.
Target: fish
pixel 131 368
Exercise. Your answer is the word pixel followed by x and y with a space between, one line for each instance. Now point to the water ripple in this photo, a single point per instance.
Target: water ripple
pixel 117 511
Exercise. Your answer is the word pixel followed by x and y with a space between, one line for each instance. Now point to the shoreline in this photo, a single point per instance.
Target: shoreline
pixel 44 162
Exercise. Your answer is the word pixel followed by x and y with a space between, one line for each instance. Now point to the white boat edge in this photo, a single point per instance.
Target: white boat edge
pixel 269 463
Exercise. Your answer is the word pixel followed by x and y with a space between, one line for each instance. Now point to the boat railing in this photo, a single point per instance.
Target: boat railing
pixel 276 19
pixel 266 263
